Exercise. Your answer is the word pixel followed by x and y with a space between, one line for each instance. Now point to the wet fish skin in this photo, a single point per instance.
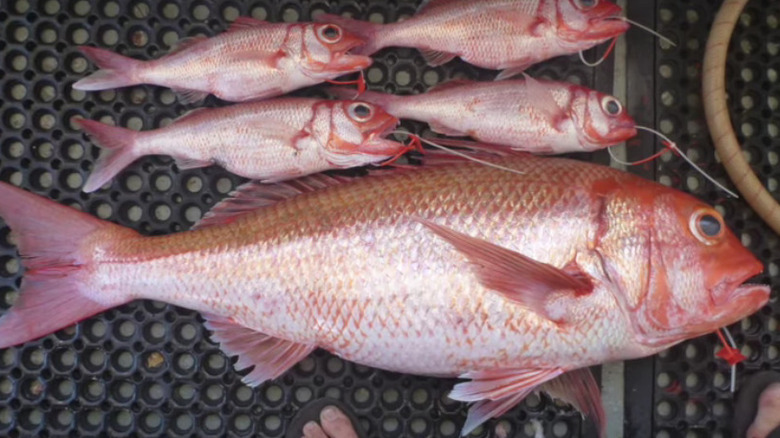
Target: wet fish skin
pixel 269 140
pixel 508 35
pixel 509 280
pixel 252 60
pixel 537 116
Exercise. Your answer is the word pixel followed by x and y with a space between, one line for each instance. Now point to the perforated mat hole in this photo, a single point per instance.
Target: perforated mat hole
pixel 447 428
pixel 303 394
pixel 391 424
pixel 665 410
pixel 93 391
pixel 123 392
pixel 92 421
pixel 241 423
pixel 151 422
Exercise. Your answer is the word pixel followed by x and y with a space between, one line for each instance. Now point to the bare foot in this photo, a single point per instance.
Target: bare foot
pixel 768 417
pixel 333 424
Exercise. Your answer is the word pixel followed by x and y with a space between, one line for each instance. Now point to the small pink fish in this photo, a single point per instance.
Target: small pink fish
pixel 268 140
pixel 508 35
pixel 252 60
pixel 541 117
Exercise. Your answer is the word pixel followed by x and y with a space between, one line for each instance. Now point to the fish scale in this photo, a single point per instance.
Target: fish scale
pixel 512 280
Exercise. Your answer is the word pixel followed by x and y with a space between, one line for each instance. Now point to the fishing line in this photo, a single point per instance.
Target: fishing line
pixel 647 29
pixel 734 366
pixel 456 153
pixel 603 58
pixel 614 41
pixel 670 146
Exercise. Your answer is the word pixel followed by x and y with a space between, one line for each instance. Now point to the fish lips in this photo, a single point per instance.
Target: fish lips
pixel 350 63
pixel 732 290
pixel 606 28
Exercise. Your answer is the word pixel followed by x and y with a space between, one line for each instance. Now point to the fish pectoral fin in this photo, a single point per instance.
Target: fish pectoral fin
pixel 270 356
pixel 579 389
pixel 538 286
pixel 544 101
pixel 497 391
pixel 191 163
pixel 435 58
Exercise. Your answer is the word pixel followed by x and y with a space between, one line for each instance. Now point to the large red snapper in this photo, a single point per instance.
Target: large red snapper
pixel 270 140
pixel 508 35
pixel 537 116
pixel 513 281
pixel 253 60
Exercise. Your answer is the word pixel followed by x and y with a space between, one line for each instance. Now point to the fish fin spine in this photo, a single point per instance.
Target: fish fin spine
pixel 271 357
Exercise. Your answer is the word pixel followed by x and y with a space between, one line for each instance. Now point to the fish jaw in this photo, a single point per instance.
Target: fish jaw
pixel 606 28
pixel 348 63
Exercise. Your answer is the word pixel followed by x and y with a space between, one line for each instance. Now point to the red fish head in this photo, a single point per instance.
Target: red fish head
pixel 588 21
pixel 602 120
pixel 327 47
pixel 361 128
pixel 679 270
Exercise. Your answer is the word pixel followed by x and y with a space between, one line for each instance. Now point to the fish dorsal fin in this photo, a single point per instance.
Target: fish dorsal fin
pixel 435 58
pixel 451 84
pixel 255 195
pixel 186 43
pixel 428 5
pixel 532 284
pixel 579 389
pixel 270 356
pixel 243 23
pixel 497 391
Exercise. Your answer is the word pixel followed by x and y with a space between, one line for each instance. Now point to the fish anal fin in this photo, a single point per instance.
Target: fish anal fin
pixel 191 163
pixel 579 389
pixel 537 286
pixel 270 356
pixel 255 195
pixel 187 96
pixel 444 130
pixel 243 23
pixel 497 391
pixel 435 58
pixel 512 72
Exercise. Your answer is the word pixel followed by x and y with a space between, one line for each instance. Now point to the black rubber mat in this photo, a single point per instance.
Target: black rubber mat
pixel 148 369
pixel 692 397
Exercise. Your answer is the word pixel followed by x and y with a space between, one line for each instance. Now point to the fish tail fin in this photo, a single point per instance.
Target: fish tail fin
pixel 53 241
pixel 116 71
pixel 117 151
pixel 371 33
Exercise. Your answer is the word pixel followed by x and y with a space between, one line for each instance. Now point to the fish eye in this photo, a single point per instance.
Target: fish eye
pixel 586 4
pixel 360 112
pixel 707 226
pixel 330 33
pixel 611 106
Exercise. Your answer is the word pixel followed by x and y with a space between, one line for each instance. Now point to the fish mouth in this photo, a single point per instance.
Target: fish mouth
pixel 378 142
pixel 622 133
pixel 347 62
pixel 610 26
